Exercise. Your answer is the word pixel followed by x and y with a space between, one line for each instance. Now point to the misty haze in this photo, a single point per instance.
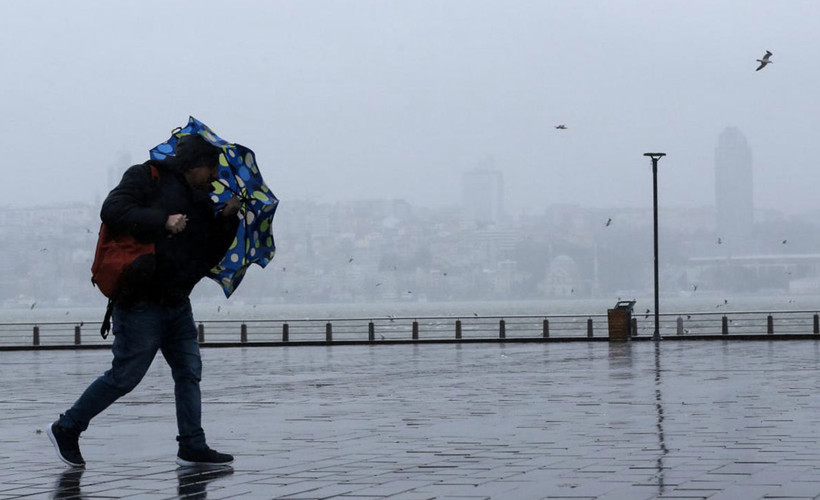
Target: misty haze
pixel 430 152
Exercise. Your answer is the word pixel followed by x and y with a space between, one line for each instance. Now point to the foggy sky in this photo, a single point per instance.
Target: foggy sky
pixel 396 99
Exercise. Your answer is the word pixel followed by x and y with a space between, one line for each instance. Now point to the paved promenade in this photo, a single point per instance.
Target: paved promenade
pixel 702 419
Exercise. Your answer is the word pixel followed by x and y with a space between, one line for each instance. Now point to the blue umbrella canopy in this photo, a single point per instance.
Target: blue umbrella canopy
pixel 239 177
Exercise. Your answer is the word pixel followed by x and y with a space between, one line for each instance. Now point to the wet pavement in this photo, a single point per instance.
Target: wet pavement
pixel 702 419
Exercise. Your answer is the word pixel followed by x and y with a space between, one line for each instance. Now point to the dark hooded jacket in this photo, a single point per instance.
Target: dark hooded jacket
pixel 140 205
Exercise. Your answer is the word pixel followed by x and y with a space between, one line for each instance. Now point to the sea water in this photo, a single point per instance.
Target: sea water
pixel 246 309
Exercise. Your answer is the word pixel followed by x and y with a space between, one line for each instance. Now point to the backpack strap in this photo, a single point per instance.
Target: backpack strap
pixel 106 324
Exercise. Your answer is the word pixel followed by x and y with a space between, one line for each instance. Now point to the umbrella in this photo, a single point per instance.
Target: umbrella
pixel 239 176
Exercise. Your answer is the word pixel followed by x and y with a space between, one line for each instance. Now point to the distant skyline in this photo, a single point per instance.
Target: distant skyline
pixel 371 99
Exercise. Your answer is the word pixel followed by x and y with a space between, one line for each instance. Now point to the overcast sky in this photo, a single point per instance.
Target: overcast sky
pixel 396 99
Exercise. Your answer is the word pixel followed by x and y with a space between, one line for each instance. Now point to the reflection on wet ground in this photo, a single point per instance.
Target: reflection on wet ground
pixel 601 421
pixel 193 481
pixel 68 484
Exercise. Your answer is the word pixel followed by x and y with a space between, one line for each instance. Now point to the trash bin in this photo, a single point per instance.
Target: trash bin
pixel 619 320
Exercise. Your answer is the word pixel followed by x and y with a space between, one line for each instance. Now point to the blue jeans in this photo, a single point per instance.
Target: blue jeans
pixel 139 332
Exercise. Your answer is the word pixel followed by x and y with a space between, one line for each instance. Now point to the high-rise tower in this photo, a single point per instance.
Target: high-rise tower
pixel 483 195
pixel 733 187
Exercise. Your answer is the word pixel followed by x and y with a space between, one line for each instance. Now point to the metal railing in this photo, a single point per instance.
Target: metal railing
pixel 513 328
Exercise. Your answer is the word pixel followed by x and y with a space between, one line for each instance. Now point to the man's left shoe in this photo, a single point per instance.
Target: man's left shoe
pixel 187 457
pixel 66 442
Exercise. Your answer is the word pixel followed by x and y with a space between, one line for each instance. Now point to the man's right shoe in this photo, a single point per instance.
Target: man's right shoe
pixel 187 457
pixel 66 442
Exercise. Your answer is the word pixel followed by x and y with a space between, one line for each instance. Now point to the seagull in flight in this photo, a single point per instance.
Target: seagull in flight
pixel 763 62
pixel 561 127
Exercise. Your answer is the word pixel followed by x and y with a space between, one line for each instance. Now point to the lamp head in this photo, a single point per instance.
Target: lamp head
pixel 655 156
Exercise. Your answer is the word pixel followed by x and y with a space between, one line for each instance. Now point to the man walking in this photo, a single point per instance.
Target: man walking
pixel 165 202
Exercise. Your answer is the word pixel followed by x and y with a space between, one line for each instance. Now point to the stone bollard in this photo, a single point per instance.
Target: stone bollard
pixel 502 329
pixel 545 332
pixel 328 332
pixel 589 327
pixel 415 330
pixel 201 333
pixel 243 333
pixel 458 329
pixel 285 332
pixel 816 323
pixel 36 334
pixel 680 325
pixel 77 334
pixel 371 332
pixel 770 325
pixel 724 325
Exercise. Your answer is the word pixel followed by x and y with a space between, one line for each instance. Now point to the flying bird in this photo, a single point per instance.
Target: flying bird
pixel 608 222
pixel 784 242
pixel 763 62
pixel 561 127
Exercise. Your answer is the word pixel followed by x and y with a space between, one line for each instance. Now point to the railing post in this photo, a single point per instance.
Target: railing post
pixel 371 332
pixel 589 327
pixel 545 332
pixel 415 330
pixel 770 325
pixel 201 333
pixel 458 329
pixel 634 330
pixel 724 326
pixel 36 334
pixel 285 332
pixel 243 333
pixel 77 333
pixel 502 329
pixel 816 323
pixel 328 332
pixel 680 325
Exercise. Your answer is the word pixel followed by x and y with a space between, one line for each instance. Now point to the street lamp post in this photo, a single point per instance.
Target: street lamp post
pixel 655 157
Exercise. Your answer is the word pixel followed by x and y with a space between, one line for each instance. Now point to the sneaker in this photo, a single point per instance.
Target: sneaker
pixel 187 457
pixel 66 442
